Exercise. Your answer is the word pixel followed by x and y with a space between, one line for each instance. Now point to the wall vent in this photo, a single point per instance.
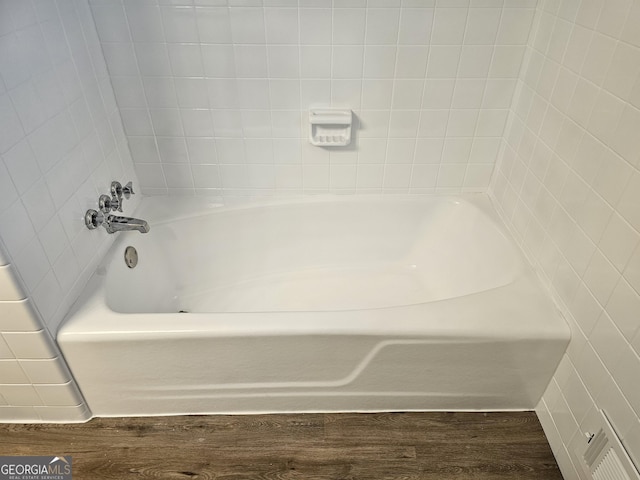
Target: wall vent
pixel 604 456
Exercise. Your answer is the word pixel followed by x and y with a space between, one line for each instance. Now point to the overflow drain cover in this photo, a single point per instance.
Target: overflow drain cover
pixel 131 257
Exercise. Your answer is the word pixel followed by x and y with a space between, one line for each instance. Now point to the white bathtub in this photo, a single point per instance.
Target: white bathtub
pixel 323 304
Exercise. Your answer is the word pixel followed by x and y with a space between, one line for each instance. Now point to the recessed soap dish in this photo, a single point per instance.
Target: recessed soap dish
pixel 330 127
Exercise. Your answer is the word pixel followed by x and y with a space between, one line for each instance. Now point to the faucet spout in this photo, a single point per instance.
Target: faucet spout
pixel 116 223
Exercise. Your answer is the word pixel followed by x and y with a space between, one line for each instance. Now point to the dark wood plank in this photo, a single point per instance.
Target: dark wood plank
pixel 416 428
pixel 410 446
pixel 255 430
pixel 455 445
pixel 472 462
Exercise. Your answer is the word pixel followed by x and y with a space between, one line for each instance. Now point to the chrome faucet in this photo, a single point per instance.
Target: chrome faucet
pixel 114 223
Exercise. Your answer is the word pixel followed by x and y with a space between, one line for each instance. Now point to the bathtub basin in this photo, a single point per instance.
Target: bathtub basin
pixel 314 305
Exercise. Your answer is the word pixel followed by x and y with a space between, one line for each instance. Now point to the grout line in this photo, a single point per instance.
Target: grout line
pixel 331 101
pixel 421 106
pixel 209 106
pixel 360 109
pixel 391 109
pixel 484 92
pixel 301 139
pixel 146 107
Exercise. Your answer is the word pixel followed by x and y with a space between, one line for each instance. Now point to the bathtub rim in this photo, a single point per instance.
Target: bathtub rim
pixel 165 209
pixel 94 321
pixel 93 304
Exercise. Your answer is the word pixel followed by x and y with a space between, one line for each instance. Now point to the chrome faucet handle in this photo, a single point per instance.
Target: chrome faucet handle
pixel 116 189
pixel 127 190
pixel 93 219
pixel 116 196
pixel 107 203
pixel 116 203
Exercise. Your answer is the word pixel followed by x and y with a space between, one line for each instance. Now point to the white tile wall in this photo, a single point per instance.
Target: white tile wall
pixel 35 383
pixel 568 183
pixel 214 96
pixel 61 144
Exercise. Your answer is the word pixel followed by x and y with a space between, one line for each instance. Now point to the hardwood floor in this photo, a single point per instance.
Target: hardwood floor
pixel 398 446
